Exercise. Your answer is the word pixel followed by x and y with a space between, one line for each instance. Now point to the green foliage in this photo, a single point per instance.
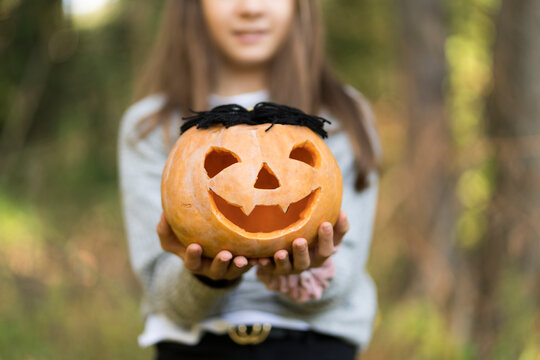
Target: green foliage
pixel 519 338
pixel 67 287
pixel 474 192
pixel 421 330
pixel 361 43
pixel 468 50
pixel 67 293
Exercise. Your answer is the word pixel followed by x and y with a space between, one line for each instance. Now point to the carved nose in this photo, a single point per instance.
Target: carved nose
pixel 266 179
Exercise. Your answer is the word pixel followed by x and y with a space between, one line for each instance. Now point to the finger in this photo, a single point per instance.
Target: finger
pixel 301 259
pixel 219 265
pixel 253 262
pixel 266 278
pixel 293 281
pixel 283 264
pixel 341 228
pixel 283 284
pixel 167 238
pixel 173 245
pixel 325 242
pixel 263 275
pixel 266 264
pixel 193 257
pixel 163 228
pixel 240 261
pixel 239 266
pixel 294 286
pixel 264 261
pixel 303 295
pixel 273 284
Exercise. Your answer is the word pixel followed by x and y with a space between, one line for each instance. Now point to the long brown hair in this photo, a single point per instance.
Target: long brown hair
pixel 182 68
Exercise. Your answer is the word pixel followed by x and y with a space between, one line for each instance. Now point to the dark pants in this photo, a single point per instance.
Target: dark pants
pixel 297 345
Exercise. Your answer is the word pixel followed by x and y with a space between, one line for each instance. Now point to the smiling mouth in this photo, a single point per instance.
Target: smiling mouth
pixel 265 218
pixel 249 37
pixel 260 31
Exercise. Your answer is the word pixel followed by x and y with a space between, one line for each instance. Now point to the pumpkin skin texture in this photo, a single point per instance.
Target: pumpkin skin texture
pixel 248 190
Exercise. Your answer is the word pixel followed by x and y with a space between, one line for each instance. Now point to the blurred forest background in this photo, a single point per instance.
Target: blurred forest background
pixel 456 253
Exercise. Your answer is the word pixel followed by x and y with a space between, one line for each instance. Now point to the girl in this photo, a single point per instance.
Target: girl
pixel 214 52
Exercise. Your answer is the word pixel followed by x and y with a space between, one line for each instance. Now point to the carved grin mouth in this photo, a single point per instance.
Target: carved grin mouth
pixel 265 218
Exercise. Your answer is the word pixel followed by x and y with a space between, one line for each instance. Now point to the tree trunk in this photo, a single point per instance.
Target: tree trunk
pixel 512 239
pixel 427 215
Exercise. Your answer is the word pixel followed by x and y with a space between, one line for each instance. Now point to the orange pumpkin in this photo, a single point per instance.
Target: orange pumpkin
pixel 250 189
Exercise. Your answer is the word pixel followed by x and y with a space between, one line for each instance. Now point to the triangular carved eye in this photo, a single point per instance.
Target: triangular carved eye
pixel 266 179
pixel 218 159
pixel 306 153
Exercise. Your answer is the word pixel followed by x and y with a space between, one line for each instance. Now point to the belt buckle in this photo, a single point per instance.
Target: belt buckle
pixel 240 334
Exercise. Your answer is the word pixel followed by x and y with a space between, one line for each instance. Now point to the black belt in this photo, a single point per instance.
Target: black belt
pixel 214 346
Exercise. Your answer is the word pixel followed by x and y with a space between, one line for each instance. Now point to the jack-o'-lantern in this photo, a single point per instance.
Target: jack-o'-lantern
pixel 250 181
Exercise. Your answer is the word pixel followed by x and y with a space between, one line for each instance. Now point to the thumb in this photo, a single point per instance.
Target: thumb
pixel 167 238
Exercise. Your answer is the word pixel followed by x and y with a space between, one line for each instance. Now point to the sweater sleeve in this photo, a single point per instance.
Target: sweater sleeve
pixel 168 286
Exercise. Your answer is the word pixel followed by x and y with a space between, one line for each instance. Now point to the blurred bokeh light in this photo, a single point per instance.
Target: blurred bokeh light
pixel 85 7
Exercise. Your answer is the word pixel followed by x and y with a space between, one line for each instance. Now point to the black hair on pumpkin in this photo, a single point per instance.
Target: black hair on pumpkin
pixel 263 113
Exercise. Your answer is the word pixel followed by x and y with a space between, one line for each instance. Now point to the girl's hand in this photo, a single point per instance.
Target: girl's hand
pixel 303 258
pixel 309 284
pixel 223 267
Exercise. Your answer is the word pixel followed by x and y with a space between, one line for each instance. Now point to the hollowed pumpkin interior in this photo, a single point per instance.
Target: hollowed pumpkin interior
pixel 265 218
pixel 266 179
pixel 306 153
pixel 218 159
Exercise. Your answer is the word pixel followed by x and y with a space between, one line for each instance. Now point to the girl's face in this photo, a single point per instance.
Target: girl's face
pixel 248 32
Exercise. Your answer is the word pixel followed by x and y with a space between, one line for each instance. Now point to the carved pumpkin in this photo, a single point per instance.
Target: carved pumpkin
pixel 250 189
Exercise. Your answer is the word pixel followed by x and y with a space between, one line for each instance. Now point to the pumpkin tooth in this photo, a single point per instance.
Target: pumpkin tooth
pixel 248 208
pixel 284 207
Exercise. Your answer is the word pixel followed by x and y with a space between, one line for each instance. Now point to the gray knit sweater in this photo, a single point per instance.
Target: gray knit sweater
pixel 347 307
